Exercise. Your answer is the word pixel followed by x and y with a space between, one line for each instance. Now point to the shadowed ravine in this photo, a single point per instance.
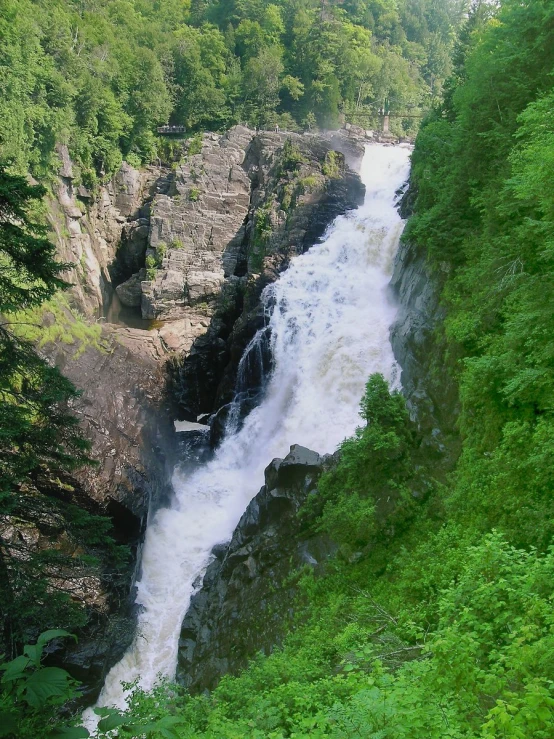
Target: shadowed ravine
pixel 329 331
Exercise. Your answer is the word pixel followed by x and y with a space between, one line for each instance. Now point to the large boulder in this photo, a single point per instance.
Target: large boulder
pixel 130 292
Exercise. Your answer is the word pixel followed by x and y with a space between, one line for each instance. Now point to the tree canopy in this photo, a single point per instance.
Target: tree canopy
pixel 101 75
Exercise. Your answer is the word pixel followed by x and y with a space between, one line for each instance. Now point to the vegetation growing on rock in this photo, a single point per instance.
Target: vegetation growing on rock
pixel 435 618
pixel 52 548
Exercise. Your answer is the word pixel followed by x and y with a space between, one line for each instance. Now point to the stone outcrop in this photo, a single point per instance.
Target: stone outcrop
pixel 89 230
pixel 125 413
pixel 294 198
pixel 198 226
pixel 247 590
pixel 432 401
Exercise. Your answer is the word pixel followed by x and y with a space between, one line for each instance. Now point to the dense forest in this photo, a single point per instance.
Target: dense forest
pixel 101 75
pixel 437 619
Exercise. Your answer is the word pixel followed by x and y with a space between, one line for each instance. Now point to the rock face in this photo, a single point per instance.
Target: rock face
pixel 126 415
pixel 432 402
pixel 293 200
pixel 239 609
pixel 198 226
pixel 89 229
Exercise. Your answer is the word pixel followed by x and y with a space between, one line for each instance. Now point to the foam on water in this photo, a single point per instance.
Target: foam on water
pixel 329 331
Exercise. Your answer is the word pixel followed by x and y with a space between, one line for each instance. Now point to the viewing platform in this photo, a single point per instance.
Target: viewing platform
pixel 171 130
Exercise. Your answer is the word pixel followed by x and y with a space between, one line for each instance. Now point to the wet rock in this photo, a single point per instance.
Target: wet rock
pixel 433 404
pixel 241 606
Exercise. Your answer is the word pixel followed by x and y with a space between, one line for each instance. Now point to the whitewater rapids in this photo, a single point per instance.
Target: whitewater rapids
pixel 329 331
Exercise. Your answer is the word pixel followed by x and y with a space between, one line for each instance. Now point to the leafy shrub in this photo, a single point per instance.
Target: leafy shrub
pixel 332 165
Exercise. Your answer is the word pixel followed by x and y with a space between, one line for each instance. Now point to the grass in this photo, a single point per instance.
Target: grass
pixel 56 322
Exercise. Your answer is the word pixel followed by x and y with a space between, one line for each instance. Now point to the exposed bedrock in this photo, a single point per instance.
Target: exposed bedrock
pixel 431 399
pixel 125 414
pixel 294 197
pixel 239 610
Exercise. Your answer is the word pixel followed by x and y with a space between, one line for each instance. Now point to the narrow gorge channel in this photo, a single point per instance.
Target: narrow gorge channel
pixel 329 318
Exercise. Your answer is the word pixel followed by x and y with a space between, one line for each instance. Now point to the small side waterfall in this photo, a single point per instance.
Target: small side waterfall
pixel 329 331
pixel 252 373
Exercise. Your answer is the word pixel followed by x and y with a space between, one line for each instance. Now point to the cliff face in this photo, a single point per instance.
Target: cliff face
pixel 182 250
pixel 247 592
pixel 241 606
pixel 413 336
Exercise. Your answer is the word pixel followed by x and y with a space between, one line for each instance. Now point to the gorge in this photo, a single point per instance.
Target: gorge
pixel 328 316
pixel 276 440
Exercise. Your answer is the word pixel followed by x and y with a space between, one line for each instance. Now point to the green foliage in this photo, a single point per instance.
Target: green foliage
pixel 484 213
pixel 101 77
pixel 30 694
pixel 154 261
pixel 373 468
pixel 291 158
pixel 311 183
pixel 262 232
pixel 55 321
pixel 332 164
pixel 29 273
pixel 195 145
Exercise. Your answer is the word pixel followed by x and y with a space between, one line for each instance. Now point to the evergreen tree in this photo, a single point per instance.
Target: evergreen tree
pixel 39 441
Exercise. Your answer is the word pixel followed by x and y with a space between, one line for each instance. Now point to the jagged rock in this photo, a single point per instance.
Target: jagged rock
pixel 244 597
pixel 125 414
pixel 66 165
pixel 89 241
pixel 127 184
pixel 199 221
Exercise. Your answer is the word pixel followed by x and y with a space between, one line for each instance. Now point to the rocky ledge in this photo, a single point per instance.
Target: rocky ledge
pixel 247 590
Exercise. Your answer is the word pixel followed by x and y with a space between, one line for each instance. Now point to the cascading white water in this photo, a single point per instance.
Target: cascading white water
pixel 329 332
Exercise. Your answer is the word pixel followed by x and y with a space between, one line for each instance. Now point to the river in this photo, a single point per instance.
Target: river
pixel 330 317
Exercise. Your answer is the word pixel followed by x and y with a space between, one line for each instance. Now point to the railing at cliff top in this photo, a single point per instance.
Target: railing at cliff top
pixel 171 130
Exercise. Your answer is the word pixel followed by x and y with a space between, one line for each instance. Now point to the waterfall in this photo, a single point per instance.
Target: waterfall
pixel 329 331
